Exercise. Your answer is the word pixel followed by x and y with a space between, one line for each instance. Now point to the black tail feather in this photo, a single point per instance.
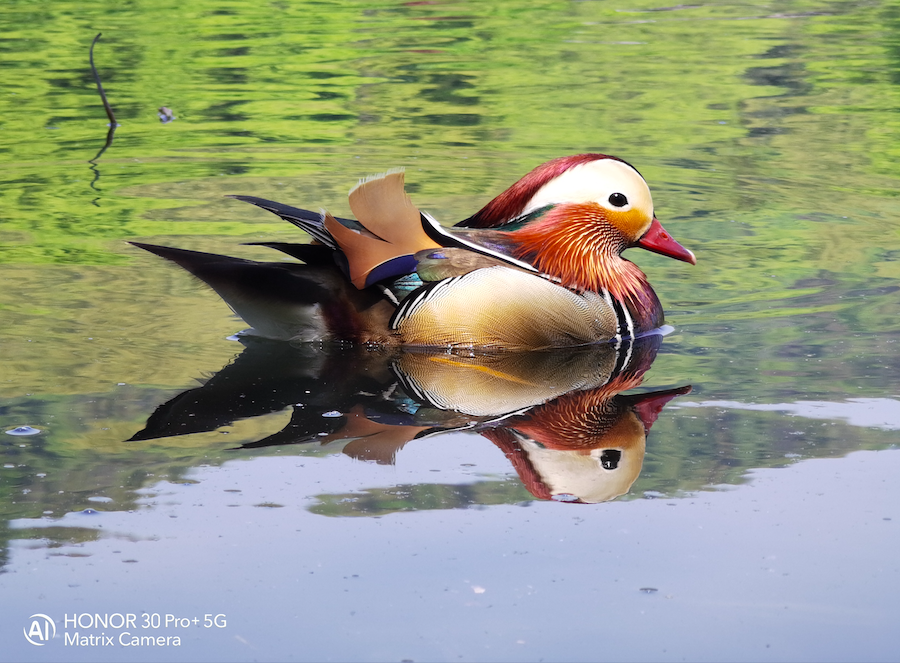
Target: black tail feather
pixel 307 220
pixel 311 254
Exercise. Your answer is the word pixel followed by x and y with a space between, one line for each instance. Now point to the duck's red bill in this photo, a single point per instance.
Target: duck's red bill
pixel 656 239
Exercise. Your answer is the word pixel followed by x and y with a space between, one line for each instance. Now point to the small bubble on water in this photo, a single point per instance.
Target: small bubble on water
pixel 332 414
pixel 649 590
pixel 90 512
pixel 565 497
pixel 23 430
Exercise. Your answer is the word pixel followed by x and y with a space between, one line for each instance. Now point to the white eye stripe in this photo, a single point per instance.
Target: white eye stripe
pixel 607 205
pixel 594 182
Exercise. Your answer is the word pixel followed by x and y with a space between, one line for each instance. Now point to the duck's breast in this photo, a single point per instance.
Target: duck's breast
pixel 503 307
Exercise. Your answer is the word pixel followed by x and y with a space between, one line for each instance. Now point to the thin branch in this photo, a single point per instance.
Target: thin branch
pixel 109 139
pixel 109 112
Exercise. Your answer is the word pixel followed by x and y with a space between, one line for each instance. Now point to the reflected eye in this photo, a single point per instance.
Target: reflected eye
pixel 610 458
pixel 618 200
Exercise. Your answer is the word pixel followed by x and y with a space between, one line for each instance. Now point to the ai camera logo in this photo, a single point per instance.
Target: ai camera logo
pixel 42 629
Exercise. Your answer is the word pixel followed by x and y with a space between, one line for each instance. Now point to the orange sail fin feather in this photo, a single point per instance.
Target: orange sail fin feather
pixel 382 206
pixel 395 228
pixel 539 266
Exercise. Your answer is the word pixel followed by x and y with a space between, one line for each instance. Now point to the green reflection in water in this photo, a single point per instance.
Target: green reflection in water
pixel 416 497
pixel 768 135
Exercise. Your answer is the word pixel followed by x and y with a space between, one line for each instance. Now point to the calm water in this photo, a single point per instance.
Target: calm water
pixel 305 500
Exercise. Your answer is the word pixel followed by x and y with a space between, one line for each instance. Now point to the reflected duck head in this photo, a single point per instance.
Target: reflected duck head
pixel 585 446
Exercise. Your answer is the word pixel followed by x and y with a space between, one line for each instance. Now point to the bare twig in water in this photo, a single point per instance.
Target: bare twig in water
pixel 109 111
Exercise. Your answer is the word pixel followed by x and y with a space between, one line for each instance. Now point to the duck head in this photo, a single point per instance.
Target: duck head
pixel 572 217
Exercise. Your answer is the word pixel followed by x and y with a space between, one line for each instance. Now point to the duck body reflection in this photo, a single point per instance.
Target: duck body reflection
pixel 559 416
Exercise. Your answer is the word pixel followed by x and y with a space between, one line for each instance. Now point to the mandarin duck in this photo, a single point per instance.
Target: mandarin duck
pixel 539 266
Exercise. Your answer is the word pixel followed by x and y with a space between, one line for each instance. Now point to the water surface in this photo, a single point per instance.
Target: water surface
pixel 763 520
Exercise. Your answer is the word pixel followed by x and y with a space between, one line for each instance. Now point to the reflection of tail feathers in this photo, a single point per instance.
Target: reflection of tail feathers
pixel 371 440
pixel 368 439
pixel 305 427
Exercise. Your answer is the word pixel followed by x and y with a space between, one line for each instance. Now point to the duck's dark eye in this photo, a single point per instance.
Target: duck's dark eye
pixel 618 200
pixel 610 458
